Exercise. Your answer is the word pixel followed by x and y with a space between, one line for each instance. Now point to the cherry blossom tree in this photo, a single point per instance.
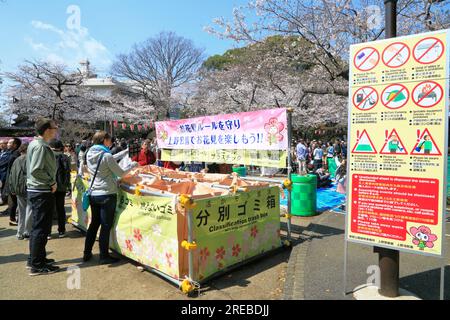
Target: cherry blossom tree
pixel 270 74
pixel 318 34
pixel 330 26
pixel 42 89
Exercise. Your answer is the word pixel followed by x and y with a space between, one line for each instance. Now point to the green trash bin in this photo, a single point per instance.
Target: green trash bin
pixel 241 171
pixel 304 195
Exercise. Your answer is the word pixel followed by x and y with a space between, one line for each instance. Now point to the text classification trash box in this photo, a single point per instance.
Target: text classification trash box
pixel 304 195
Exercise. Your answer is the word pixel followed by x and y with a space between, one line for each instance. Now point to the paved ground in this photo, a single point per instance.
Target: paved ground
pixel 263 279
pixel 315 270
pixel 312 270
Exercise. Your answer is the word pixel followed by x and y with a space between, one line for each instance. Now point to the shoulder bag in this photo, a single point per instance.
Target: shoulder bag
pixel 87 193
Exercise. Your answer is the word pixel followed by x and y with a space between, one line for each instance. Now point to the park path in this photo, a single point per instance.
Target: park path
pixel 260 280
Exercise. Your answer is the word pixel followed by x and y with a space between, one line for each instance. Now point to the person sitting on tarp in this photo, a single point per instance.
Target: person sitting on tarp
pixel 323 178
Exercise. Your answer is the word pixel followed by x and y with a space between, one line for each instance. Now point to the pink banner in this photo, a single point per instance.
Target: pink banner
pixel 257 130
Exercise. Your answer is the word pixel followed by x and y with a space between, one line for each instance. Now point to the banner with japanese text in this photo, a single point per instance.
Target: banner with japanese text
pixel 264 158
pixel 398 136
pixel 79 217
pixel 232 229
pixel 257 130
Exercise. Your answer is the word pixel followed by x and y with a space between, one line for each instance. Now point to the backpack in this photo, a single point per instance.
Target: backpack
pixel 63 172
pixel 18 177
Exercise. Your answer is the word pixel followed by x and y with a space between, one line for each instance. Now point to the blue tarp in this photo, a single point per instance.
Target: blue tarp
pixel 327 198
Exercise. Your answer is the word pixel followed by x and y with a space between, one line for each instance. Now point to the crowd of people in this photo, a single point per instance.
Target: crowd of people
pixel 35 179
pixel 327 160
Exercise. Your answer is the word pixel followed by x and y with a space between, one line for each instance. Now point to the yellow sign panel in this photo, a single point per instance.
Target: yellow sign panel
pixel 398 129
pixel 264 158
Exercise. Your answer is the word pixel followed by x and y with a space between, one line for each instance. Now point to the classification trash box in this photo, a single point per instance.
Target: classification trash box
pixel 304 195
pixel 229 226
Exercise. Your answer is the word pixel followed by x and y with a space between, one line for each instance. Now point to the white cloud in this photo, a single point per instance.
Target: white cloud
pixel 72 46
pixel 44 26
pixel 36 46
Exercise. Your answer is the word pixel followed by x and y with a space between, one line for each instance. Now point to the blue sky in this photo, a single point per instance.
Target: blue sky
pixel 38 29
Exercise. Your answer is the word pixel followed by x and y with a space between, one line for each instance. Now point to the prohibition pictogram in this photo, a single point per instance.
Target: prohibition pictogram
pixel 427 94
pixel 428 50
pixel 395 96
pixel 396 55
pixel 366 59
pixel 365 98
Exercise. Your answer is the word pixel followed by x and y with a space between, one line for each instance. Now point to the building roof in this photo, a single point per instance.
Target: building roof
pixel 100 82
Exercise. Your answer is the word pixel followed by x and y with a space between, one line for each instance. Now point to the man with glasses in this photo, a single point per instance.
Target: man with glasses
pixel 41 186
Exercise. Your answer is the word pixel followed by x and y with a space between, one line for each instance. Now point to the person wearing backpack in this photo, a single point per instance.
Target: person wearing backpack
pixel 18 187
pixel 63 184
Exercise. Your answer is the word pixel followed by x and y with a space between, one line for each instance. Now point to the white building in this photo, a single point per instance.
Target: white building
pixel 104 87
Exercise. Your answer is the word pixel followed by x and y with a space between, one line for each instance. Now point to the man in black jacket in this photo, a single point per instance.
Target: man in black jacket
pixel 4 156
pixel 13 146
pixel 62 182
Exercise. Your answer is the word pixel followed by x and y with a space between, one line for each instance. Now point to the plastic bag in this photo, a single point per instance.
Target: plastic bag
pixel 127 164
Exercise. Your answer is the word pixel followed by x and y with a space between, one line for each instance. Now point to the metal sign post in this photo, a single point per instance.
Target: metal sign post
pixel 389 259
pixel 444 200
pixel 289 169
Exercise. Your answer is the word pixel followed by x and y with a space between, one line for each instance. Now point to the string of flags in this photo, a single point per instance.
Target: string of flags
pixel 328 131
pixel 132 126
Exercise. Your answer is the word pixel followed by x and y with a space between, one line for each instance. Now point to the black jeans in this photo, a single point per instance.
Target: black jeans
pixel 60 198
pixel 42 207
pixel 317 164
pixel 103 210
pixel 12 207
